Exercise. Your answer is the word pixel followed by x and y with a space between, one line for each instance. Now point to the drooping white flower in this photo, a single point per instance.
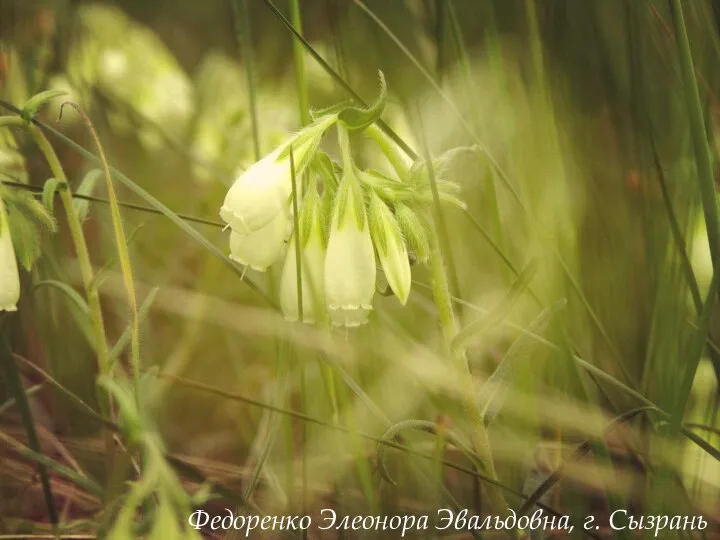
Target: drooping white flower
pixel 350 260
pixel 312 257
pixel 9 277
pixel 261 248
pixel 263 190
pixel 391 248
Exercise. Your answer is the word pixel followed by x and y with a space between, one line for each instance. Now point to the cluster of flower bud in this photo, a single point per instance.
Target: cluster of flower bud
pixel 350 221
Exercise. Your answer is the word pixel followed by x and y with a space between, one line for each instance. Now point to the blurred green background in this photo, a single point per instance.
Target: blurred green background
pixel 580 161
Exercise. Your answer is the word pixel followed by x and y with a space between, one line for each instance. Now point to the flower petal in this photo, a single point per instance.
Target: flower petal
pixel 349 273
pixel 261 248
pixel 9 277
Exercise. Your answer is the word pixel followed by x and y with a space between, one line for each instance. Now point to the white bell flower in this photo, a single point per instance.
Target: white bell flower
pixel 9 277
pixel 350 260
pixel 263 190
pixel 261 248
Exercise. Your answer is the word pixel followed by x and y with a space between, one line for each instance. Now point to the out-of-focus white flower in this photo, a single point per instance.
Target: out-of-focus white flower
pixel 312 257
pixel 263 190
pixel 9 277
pixel 259 249
pixel 350 260
pixel 391 248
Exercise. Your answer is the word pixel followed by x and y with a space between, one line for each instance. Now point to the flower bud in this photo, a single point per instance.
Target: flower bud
pixel 264 189
pixel 391 248
pixel 350 260
pixel 9 277
pixel 261 248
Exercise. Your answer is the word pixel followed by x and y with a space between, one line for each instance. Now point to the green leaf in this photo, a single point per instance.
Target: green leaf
pixel 78 308
pixel 124 339
pixel 50 188
pixel 39 213
pixel 376 216
pixel 493 393
pixel 25 237
pixel 325 167
pixel 68 291
pixel 82 206
pixel 308 214
pixel 413 230
pixel 32 105
pixel 475 330
pixel 358 118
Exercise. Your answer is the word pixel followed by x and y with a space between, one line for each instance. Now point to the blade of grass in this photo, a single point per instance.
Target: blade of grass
pixel 243 33
pixel 12 379
pixel 79 404
pixel 125 337
pixel 11 402
pixel 677 234
pixel 706 181
pixel 122 249
pixel 581 450
pixel 45 462
pixel 376 440
pixel 132 206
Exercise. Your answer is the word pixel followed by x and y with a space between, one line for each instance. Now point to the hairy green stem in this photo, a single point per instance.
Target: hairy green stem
pixel 388 149
pixel 86 273
pixel 123 252
pixel 448 324
pixel 449 328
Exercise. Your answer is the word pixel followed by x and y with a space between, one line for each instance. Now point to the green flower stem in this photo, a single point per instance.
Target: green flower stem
pixel 440 245
pixel 389 150
pixel 123 252
pixel 86 272
pixel 449 327
pixel 299 57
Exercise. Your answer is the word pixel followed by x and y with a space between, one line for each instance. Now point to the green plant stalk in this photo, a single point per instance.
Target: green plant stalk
pixel 440 243
pixel 86 273
pixel 706 182
pixel 81 249
pixel 298 284
pixel 448 325
pixel 299 59
pixel 388 150
pixel 123 254
pixel 10 374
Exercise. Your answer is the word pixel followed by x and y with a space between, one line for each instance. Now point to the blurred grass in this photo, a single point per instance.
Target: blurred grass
pixel 586 165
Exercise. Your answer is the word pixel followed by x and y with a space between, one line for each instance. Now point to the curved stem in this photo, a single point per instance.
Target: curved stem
pixel 86 273
pixel 388 148
pixel 81 249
